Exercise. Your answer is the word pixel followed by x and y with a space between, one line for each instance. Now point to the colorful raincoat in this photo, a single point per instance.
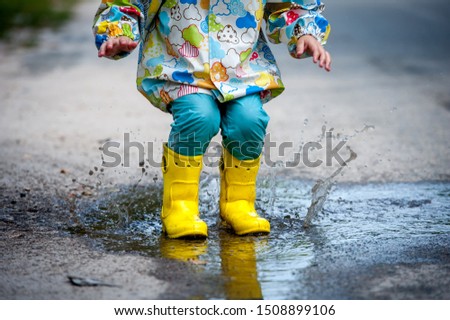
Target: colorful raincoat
pixel 209 46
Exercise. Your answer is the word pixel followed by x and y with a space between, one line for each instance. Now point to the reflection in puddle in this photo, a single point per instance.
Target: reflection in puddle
pixel 271 266
pixel 238 262
pixel 184 250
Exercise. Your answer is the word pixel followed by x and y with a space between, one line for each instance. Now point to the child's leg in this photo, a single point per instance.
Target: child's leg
pixel 243 124
pixel 196 121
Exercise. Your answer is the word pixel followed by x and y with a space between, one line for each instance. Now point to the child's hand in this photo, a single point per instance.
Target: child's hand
pixel 114 46
pixel 310 45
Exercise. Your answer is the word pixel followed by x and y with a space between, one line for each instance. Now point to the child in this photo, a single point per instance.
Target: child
pixel 208 64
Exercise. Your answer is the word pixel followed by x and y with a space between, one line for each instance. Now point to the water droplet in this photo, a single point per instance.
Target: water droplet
pixel 305 122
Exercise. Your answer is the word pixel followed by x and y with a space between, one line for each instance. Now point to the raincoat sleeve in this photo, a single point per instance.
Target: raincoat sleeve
pixel 116 18
pixel 288 20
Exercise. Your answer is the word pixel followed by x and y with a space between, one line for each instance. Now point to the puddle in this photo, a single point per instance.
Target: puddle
pixel 366 222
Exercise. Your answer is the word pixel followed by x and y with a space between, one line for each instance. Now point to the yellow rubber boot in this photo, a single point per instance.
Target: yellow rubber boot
pixel 238 195
pixel 180 215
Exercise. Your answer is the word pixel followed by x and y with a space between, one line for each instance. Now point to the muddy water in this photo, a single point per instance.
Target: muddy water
pixel 359 224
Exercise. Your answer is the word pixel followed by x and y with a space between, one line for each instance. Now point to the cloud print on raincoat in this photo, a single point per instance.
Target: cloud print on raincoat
pixel 199 34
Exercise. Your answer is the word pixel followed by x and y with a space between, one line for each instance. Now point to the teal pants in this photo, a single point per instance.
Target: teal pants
pixel 198 117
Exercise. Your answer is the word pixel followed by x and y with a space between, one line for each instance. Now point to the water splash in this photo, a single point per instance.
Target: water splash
pixel 321 190
pixel 274 266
